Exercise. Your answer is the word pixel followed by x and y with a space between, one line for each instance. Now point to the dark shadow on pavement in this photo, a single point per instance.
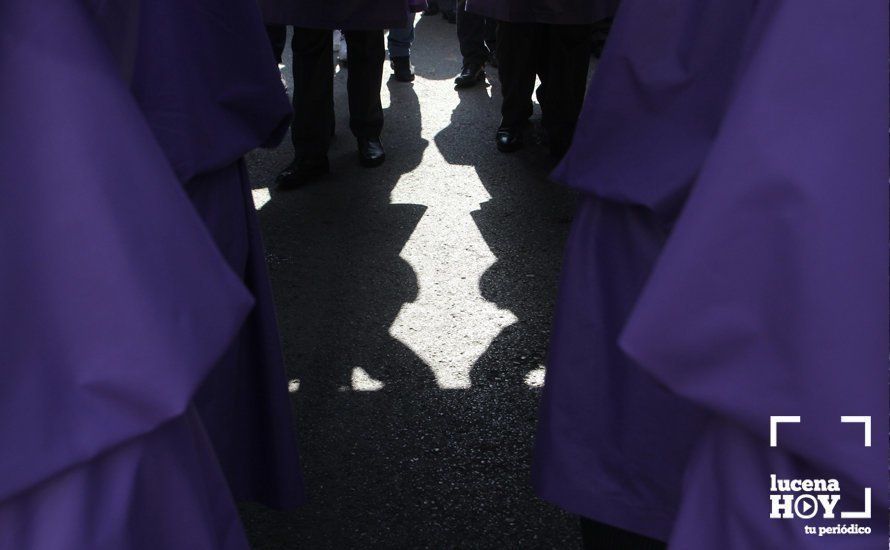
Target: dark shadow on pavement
pixel 411 465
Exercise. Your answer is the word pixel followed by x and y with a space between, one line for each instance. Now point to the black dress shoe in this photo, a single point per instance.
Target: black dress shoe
pixel 509 139
pixel 450 16
pixel 432 10
pixel 302 172
pixel 402 69
pixel 470 75
pixel 370 152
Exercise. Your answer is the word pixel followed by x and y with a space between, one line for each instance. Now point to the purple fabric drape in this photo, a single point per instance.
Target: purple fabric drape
pixel 206 111
pixel 727 264
pixel 120 298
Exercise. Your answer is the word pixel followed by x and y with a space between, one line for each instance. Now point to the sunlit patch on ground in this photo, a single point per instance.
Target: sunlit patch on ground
pixel 261 197
pixel 450 325
pixel 535 378
pixel 362 381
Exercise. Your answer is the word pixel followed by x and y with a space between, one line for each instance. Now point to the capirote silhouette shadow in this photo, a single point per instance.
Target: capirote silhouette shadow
pixel 410 465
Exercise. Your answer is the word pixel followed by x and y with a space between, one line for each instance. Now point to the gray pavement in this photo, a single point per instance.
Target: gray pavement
pixel 415 302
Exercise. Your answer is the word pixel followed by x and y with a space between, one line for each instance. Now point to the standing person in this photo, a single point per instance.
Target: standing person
pixel 550 39
pixel 363 23
pixel 399 42
pixel 707 282
pixel 478 38
pixel 143 385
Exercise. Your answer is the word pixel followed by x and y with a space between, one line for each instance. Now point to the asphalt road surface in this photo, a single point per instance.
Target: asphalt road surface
pixel 415 302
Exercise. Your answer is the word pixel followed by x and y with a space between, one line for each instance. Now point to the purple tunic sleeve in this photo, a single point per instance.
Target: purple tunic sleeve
pixel 770 297
pixel 209 108
pixel 206 111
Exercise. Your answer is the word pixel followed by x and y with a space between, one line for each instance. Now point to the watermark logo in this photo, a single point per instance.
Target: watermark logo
pixel 817 498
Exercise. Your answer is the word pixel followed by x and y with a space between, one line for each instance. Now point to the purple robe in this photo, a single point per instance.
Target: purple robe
pixel 733 163
pixel 338 14
pixel 552 12
pixel 119 304
pixel 163 489
pixel 206 112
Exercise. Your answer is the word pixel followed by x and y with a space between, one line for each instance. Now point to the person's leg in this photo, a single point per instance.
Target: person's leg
pixel 399 41
pixel 449 10
pixel 542 63
pixel 399 44
pixel 277 37
pixel 366 55
pixel 313 123
pixel 471 36
pixel 516 71
pixel 564 77
pixel 432 7
pixel 491 40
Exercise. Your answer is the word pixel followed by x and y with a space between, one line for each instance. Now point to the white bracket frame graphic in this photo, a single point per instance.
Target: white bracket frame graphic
pixel 866 424
pixel 774 422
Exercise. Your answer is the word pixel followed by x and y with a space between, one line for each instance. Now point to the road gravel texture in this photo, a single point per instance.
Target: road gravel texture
pixel 415 303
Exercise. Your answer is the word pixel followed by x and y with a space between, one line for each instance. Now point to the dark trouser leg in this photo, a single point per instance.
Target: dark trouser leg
pixel 277 37
pixel 564 81
pixel 366 55
pixel 600 33
pixel 471 33
pixel 541 59
pixel 399 41
pixel 516 69
pixel 491 34
pixel 313 93
pixel 599 536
